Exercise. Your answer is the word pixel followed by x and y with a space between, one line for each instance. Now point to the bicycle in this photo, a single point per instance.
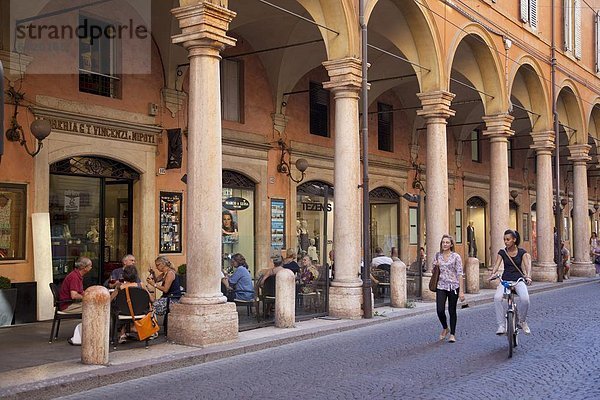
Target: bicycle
pixel 512 314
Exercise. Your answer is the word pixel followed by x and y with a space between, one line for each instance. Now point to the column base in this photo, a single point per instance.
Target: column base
pixel 346 302
pixel 586 269
pixel 544 272
pixel 203 325
pixel 426 294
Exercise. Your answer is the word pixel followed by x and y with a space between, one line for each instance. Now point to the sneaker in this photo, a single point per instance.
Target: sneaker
pixel 153 336
pixel 525 328
pixel 122 339
pixel 501 330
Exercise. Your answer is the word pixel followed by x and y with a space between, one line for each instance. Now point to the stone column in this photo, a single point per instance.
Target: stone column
pixel 581 266
pixel 498 130
pixel 436 111
pixel 544 269
pixel 204 317
pixel 345 294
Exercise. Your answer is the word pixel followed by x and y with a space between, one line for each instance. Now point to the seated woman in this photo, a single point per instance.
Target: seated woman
pixel 240 282
pixel 167 281
pixel 130 279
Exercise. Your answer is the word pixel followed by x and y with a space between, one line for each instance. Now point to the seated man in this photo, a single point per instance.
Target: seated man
pixel 381 261
pixel 116 275
pixel 72 287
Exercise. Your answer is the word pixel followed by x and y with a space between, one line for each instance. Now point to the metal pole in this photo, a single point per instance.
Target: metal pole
pixel 558 210
pixel 1 111
pixel 419 261
pixel 366 269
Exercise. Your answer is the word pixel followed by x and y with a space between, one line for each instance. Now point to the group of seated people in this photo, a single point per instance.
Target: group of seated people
pixel 164 278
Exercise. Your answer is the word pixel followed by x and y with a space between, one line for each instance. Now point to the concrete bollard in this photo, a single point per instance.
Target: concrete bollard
pixel 487 284
pixel 95 329
pixel 285 299
pixel 398 284
pixel 427 294
pixel 472 275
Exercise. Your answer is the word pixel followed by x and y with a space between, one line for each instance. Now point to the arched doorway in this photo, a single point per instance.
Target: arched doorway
pixel 238 218
pixel 91 208
pixel 384 219
pixel 513 216
pixel 476 217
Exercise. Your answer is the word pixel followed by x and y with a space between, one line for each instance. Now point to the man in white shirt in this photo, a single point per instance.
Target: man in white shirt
pixel 381 260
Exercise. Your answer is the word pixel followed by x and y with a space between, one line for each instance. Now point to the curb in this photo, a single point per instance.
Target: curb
pixel 111 374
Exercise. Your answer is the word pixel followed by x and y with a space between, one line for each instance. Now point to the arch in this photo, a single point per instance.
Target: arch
pixel 384 193
pixel 570 113
pixel 409 27
pixel 529 89
pixel 94 166
pixel 473 55
pixel 139 164
pixel 237 180
pixel 594 123
pixel 476 201
pixel 315 188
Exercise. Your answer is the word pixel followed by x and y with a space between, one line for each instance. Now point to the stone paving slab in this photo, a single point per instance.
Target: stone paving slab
pixel 65 377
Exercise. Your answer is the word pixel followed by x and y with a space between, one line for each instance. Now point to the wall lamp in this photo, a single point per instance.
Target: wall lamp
pixel 514 194
pixel 40 128
pixel 285 168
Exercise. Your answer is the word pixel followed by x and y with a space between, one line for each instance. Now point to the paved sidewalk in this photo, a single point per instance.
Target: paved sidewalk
pixel 35 369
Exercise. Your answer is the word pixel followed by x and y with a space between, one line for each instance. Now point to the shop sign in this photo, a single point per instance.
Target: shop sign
pixel 315 207
pixel 236 203
pixel 72 201
pixel 103 131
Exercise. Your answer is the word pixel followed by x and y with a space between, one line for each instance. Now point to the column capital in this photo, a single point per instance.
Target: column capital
pixel 203 24
pixel 543 142
pixel 436 104
pixel 579 153
pixel 345 74
pixel 498 126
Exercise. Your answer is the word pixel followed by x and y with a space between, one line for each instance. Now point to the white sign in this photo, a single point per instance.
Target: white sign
pixel 72 201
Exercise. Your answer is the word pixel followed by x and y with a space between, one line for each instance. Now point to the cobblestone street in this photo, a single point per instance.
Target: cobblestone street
pixel 403 359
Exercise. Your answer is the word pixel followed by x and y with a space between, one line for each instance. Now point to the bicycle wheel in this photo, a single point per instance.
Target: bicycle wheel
pixel 516 319
pixel 510 331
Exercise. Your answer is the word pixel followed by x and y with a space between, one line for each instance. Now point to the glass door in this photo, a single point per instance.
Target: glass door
pixel 117 223
pixel 74 224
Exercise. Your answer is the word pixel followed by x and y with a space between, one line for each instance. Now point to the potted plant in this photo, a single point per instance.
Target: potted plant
pixel 8 301
pixel 181 271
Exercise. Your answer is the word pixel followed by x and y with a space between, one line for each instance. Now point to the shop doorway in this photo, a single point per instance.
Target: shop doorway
pixel 476 229
pixel 314 233
pixel 90 207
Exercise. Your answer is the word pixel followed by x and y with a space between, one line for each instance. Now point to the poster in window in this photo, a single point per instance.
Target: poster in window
pixel 277 225
pixel 230 226
pixel 72 201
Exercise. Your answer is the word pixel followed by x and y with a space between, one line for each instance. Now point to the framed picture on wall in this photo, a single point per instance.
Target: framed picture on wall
pixel 277 225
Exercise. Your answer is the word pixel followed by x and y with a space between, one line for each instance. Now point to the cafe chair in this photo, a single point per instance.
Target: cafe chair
pixel 59 315
pixel 266 296
pixel 140 302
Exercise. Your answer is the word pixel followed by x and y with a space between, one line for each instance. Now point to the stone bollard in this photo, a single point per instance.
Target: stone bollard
pixel 427 294
pixel 95 329
pixel 472 275
pixel 487 284
pixel 398 284
pixel 285 299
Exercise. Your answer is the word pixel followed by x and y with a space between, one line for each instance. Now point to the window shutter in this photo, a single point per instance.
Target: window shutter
pixel 533 13
pixel 597 20
pixel 319 110
pixel 577 15
pixel 567 24
pixel 524 10
pixel 384 127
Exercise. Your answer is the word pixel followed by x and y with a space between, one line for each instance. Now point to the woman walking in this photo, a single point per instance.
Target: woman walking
pixel 450 286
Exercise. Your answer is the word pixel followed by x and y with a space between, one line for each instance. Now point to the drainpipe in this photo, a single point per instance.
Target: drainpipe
pixel 557 208
pixel 366 268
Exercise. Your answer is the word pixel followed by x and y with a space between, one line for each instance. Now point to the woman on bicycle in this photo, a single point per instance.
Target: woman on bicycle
pixel 450 285
pixel 517 264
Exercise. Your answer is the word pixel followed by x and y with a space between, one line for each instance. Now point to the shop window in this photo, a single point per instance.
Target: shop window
pixel 319 110
pixel 238 218
pixel 13 211
pixel 529 12
pixel 458 226
pixel 97 61
pixel 572 27
pixel 385 127
pixel 525 227
pixel 314 221
pixel 476 145
pixel 513 213
pixel 232 90
pixel 412 220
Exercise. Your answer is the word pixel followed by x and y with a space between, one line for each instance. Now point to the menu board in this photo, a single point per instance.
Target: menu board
pixel 277 225
pixel 170 222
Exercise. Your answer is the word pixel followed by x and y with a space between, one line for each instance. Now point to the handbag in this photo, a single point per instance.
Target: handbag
pixel 435 276
pixel 146 326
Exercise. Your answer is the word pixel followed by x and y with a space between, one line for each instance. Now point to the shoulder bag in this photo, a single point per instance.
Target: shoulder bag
pixel 146 326
pixel 435 275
